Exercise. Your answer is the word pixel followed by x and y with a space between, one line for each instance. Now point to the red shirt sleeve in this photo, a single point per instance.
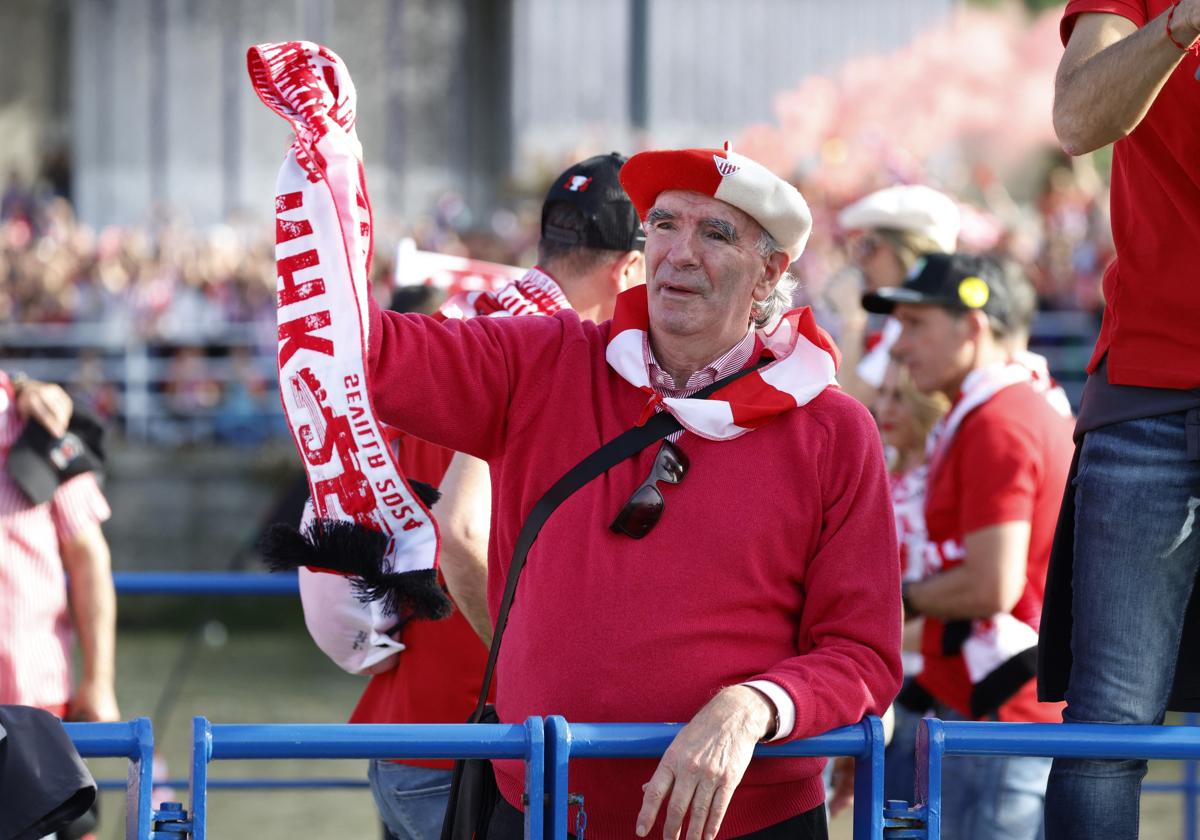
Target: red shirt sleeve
pixel 1134 10
pixel 850 625
pixel 999 468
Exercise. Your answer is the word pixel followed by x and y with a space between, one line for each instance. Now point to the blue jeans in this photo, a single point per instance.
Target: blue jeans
pixel 993 798
pixel 1136 557
pixel 411 800
pixel 989 797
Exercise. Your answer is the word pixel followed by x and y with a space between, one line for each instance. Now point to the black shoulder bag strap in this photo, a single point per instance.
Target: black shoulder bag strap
pixel 624 445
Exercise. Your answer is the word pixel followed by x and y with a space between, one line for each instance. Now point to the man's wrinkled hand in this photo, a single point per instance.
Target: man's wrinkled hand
pixel 705 763
pixel 45 403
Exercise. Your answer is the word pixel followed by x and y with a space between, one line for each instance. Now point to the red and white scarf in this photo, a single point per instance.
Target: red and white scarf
pixel 323 253
pixel 984 383
pixel 805 364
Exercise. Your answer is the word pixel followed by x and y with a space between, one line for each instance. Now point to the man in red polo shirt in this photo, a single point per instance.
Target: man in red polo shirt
pixel 997 464
pixel 1115 643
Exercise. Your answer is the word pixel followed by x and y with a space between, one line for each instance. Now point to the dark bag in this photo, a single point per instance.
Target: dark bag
pixel 473 790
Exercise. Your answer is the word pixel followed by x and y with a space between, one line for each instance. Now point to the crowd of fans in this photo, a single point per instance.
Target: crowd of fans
pixel 195 296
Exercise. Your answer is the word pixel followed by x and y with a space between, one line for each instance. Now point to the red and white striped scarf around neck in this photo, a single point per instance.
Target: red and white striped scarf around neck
pixel 984 383
pixel 323 252
pixel 805 364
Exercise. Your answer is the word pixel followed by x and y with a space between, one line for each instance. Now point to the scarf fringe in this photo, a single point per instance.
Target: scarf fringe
pixel 354 551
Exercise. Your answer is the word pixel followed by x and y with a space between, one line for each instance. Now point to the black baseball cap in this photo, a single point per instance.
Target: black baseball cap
pixel 958 282
pixel 593 186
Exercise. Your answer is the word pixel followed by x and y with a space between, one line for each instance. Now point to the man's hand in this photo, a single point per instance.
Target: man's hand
pixel 705 763
pixel 94 702
pixel 46 403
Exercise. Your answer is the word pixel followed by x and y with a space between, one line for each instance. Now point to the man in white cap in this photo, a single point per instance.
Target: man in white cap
pixel 889 230
pixel 742 577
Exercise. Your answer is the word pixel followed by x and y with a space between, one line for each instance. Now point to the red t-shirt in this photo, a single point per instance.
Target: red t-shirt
pixel 1152 301
pixel 1007 463
pixel 436 678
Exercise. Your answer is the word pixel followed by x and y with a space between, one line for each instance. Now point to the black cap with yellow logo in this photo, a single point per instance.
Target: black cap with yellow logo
pixel 960 282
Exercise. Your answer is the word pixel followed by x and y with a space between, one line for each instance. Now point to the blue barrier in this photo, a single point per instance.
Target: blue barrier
pixel 937 739
pixel 205 583
pixel 350 740
pixel 564 741
pixel 133 740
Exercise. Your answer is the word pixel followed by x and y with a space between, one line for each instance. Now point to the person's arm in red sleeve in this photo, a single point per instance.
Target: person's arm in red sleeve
pixel 995 516
pixel 450 382
pixel 1115 64
pixel 850 625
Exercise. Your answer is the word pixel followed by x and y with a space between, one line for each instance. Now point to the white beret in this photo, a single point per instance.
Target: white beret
pixel 726 176
pixel 911 207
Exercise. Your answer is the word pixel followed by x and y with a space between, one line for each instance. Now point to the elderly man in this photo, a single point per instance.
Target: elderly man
pixel 590 250
pixel 762 602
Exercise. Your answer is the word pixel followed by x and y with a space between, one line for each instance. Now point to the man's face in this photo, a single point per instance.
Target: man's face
pixel 936 347
pixel 703 268
pixel 878 261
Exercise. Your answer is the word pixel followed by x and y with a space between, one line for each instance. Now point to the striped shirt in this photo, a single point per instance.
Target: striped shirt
pixel 35 625
pixel 731 361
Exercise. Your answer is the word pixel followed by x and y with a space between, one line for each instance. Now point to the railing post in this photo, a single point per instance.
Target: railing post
pixel 868 783
pixel 198 778
pixel 558 757
pixel 931 748
pixel 535 778
pixel 140 784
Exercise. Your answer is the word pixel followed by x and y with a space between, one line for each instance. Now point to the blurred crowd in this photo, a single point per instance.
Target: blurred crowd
pixel 202 300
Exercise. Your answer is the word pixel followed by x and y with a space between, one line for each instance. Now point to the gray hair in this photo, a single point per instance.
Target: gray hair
pixel 766 312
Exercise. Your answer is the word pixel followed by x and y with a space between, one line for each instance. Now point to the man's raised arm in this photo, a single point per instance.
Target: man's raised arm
pixel 1112 71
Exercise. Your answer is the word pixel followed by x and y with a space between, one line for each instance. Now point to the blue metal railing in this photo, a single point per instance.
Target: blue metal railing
pixel 937 739
pixel 347 740
pixel 547 748
pixel 133 740
pixel 205 583
pixel 564 741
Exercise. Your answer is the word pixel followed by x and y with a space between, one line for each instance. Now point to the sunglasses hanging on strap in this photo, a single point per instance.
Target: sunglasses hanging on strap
pixel 473 792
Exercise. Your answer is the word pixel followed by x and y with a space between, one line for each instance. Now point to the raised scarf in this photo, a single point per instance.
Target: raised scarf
pixel 804 364
pixel 367 522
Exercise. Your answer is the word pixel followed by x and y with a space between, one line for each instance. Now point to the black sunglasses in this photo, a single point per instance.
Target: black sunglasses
pixel 645 506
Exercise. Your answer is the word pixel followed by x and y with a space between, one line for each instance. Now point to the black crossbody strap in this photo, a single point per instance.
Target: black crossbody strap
pixel 624 445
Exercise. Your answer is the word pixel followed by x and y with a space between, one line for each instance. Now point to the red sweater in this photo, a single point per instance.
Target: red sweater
pixel 775 557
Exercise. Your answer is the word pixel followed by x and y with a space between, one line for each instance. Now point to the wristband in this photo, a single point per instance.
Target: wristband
pixel 1194 47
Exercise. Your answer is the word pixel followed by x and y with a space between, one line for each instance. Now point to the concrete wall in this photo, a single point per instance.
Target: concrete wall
pixel 192 508
pixel 163 112
pixel 33 82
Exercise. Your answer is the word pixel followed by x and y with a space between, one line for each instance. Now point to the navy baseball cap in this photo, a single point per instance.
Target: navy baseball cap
pixel 593 186
pixel 958 282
